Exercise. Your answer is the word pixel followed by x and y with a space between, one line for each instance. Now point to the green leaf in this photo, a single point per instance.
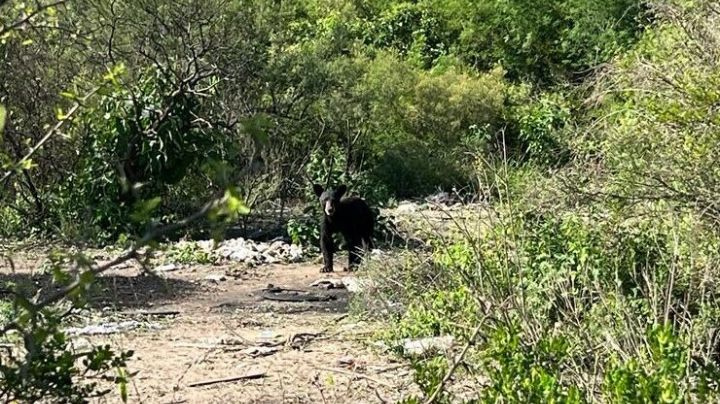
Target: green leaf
pixel 26 164
pixel 144 208
pixel 69 95
pixel 122 384
pixel 60 114
pixel 3 116
pixel 86 278
pixel 257 127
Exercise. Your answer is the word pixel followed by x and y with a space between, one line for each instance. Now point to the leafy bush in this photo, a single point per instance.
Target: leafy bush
pixel 570 296
pixel 655 124
pixel 188 253
pixel 659 377
pixel 538 125
pixel 520 372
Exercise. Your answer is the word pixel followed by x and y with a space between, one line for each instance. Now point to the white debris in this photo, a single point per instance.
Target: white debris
pixel 407 207
pixel 102 329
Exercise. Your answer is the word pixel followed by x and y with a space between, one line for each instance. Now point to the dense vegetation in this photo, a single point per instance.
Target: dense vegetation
pixel 591 128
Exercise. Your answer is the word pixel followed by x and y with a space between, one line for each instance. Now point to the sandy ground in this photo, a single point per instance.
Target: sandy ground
pixel 301 352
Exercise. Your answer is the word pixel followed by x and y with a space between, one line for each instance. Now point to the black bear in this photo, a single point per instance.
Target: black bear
pixel 350 217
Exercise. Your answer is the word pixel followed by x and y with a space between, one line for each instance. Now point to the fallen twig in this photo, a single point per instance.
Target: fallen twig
pixel 159 313
pixel 341 318
pixel 391 368
pixel 358 375
pixel 249 376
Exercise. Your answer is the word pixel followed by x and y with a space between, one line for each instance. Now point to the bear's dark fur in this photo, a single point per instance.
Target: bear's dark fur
pixel 350 217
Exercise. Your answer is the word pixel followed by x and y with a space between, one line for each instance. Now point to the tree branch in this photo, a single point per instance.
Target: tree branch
pixel 48 135
pixel 27 18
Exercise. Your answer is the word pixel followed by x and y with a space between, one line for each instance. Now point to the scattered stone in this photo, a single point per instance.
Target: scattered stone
pixel 347 361
pixel 254 253
pixel 217 278
pixel 104 329
pixel 167 268
pixel 407 207
pixel 268 337
pixel 442 198
pixel 258 351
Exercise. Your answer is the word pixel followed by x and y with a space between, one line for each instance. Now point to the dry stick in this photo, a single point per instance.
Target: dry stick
pixel 249 376
pixel 359 375
pixel 157 313
pixel 455 364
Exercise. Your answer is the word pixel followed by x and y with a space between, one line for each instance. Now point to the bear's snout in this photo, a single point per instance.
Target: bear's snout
pixel 329 208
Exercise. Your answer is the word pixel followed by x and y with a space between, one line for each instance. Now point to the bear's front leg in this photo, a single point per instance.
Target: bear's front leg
pixel 327 247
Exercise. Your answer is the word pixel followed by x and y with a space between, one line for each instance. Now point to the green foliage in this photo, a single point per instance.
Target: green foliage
pixel 572 293
pixel 428 375
pixel 304 230
pixel 545 41
pixel 122 169
pixel 658 377
pixel 6 312
pixel 526 373
pixel 538 125
pixel 49 370
pixel 437 313
pixel 188 253
pixel 3 118
pixel 43 364
pixel 659 137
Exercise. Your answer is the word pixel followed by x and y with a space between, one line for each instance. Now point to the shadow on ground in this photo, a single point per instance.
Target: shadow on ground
pixel 107 291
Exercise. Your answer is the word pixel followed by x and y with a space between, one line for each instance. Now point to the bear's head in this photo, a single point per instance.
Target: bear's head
pixel 329 198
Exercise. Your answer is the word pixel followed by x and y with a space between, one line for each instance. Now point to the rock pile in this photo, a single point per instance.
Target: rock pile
pixel 254 253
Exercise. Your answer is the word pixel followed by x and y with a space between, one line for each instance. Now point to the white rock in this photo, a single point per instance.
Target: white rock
pixel 328 284
pixel 167 268
pixel 356 285
pixel 417 347
pixel 217 278
pixel 240 255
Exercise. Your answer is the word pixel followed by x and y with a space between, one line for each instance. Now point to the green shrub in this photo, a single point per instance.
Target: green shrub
pixel 188 253
pixel 438 313
pixel 660 374
pixel 570 295
pixel 522 372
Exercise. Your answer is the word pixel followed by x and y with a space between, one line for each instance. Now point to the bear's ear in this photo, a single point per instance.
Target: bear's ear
pixel 318 189
pixel 340 191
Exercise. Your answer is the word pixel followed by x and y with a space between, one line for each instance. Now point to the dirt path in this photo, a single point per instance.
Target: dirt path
pixel 316 352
